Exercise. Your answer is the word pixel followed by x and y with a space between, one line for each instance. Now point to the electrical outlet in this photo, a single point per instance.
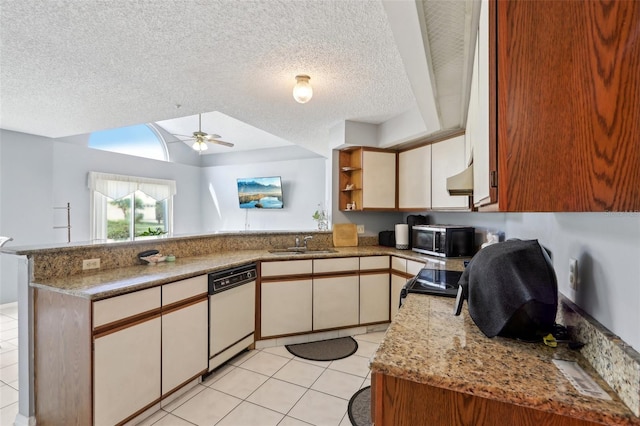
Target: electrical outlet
pixel 573 274
pixel 90 264
pixel 360 229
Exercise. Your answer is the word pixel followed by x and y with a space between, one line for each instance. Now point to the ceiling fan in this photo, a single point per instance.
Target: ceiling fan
pixel 200 138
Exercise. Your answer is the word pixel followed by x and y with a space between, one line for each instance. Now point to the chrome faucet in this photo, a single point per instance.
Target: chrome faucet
pixel 304 243
pixel 307 238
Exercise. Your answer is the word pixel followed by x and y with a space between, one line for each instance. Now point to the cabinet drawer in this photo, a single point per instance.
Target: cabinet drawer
pixel 399 264
pixel 286 267
pixel 374 262
pixel 120 307
pixel 414 267
pixel 184 289
pixel 335 265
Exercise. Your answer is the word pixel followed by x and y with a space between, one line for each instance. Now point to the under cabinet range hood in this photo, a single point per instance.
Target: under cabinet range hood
pixel 462 183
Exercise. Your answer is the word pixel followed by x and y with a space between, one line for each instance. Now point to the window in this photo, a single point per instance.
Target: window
pixel 126 207
pixel 140 140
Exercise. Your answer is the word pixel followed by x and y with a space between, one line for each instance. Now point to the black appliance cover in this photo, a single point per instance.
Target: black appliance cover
pixel 387 238
pixel 511 290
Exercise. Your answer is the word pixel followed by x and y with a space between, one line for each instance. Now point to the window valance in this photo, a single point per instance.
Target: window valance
pixel 118 186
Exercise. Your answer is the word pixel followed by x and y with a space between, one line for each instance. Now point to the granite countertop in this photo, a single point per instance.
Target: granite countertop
pixel 112 282
pixel 427 344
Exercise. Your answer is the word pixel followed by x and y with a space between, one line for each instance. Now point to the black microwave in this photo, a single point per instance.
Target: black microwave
pixel 443 240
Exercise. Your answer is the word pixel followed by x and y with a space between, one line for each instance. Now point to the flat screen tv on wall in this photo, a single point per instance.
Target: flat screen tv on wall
pixel 260 193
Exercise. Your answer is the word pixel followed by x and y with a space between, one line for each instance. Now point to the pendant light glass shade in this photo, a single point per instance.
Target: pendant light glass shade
pixel 200 145
pixel 302 91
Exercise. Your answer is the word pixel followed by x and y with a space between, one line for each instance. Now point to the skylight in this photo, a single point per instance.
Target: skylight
pixel 139 140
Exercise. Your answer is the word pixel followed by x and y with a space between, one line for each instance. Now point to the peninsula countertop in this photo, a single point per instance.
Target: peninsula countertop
pixel 112 282
pixel 427 344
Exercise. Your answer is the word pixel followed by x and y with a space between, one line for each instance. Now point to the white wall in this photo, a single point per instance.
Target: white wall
pixel 303 186
pixel 606 245
pixel 39 173
pixel 26 199
pixel 71 163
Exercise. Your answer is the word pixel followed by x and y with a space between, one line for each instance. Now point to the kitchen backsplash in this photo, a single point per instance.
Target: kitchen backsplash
pixel 616 362
pixel 64 261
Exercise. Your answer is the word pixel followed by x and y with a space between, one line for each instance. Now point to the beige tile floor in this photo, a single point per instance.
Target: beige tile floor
pixel 258 388
pixel 8 363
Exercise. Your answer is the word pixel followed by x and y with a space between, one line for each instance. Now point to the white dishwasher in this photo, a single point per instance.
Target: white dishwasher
pixel 232 307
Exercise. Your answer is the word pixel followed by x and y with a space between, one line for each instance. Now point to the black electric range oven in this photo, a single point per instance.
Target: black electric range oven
pixel 436 282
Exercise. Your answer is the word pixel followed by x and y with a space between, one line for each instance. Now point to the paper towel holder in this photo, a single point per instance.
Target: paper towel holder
pixel 402 236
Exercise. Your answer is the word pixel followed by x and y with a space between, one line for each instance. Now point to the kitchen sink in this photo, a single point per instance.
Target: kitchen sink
pixel 293 251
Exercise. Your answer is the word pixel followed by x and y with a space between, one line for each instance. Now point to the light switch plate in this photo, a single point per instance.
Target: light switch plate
pixel 360 229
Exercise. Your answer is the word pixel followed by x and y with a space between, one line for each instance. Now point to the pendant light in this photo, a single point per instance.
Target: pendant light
pixel 200 145
pixel 302 91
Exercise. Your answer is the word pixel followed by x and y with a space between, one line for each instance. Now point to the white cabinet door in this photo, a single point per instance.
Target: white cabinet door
pixel 414 178
pixel 126 361
pixel 185 331
pixel 378 179
pixel 126 372
pixel 286 307
pixel 335 302
pixel 480 123
pixel 185 351
pixel 374 298
pixel 397 282
pixel 447 159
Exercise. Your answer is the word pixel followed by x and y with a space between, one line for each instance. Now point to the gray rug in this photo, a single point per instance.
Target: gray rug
pixel 360 407
pixel 325 350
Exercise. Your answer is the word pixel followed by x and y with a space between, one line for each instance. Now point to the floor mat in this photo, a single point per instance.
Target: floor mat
pixel 325 350
pixel 360 407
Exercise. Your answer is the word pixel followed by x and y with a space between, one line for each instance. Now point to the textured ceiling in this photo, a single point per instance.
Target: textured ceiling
pixel 244 136
pixel 75 66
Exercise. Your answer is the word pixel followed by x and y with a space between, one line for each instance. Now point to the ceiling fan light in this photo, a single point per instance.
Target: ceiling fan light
pixel 199 146
pixel 302 91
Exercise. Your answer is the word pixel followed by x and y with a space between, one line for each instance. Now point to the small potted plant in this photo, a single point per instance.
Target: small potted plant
pixel 320 216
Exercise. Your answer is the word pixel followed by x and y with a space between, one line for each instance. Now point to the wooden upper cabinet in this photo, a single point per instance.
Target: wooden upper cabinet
pixel 350 178
pixel 367 177
pixel 568 104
